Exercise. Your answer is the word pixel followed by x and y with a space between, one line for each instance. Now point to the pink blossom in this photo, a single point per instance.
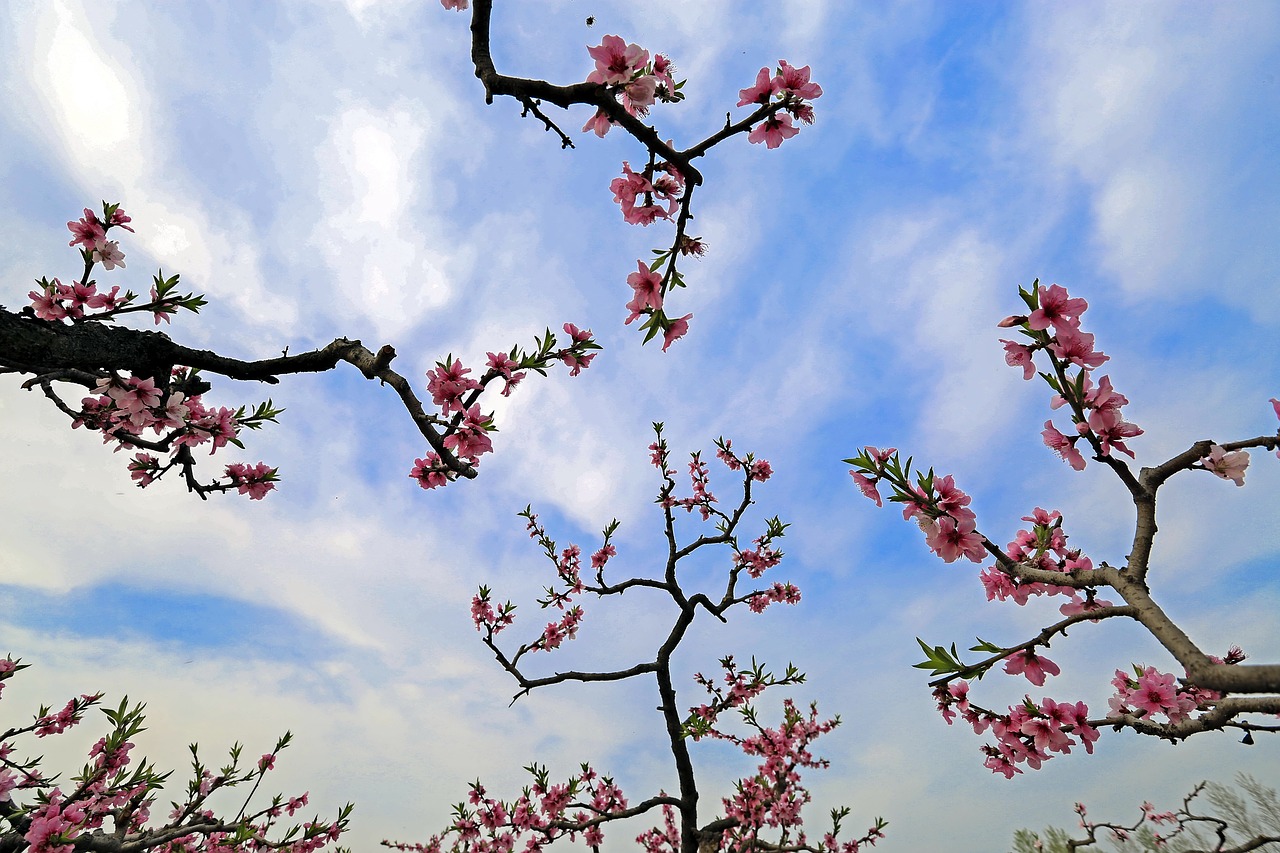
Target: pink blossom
pixel 1063 446
pixel 1033 666
pixel 471 438
pixel 1078 605
pixel 576 363
pixel 867 487
pixel 459 5
pixel 120 219
pixel 447 383
pixel 1228 466
pixel 1057 308
pixel 1076 346
pixel 773 131
pixel 429 472
pixel 107 301
pixel 87 230
pixel 252 480
pixel 638 95
pixel 143 469
pixel 162 309
pixel 598 124
pixel 761 92
pixel 76 296
pixel 795 81
pixel 1019 355
pixel 1155 692
pixel 47 305
pixel 505 364
pixel 647 287
pixel 952 538
pixel 107 253
pixel 761 470
pixel 616 61
pixel 674 332
pixel 1103 396
pixel 1110 429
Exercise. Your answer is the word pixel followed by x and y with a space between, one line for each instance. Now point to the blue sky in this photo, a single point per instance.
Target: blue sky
pixel 330 169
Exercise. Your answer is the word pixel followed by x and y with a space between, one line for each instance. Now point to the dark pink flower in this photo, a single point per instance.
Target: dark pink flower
pixel 616 61
pixel 953 538
pixel 87 230
pixel 773 131
pixel 760 93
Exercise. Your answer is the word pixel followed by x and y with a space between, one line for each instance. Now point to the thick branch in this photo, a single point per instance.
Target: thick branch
pixel 74 352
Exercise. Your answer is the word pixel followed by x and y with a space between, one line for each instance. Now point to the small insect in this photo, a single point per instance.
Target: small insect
pixel 591 20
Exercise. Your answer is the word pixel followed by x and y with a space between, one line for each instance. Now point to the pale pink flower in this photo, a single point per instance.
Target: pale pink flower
pixel 1063 446
pixel 867 487
pixel 598 124
pixel 1071 344
pixel 647 285
pixel 459 5
pixel 638 95
pixel 1228 466
pixel 107 253
pixel 678 329
pixel 1019 355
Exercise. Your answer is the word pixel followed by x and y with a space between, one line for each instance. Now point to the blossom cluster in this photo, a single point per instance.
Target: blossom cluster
pixel 542 814
pixel 1030 733
pixel 81 300
pixel 773 797
pixel 1053 326
pixel 109 797
pixel 1148 692
pixel 125 407
pixel 455 392
pixel 793 89
pixel 936 504
pixel 1043 547
pixel 632 78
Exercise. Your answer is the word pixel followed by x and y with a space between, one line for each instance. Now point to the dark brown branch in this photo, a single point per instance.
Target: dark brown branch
pixel 72 352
